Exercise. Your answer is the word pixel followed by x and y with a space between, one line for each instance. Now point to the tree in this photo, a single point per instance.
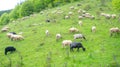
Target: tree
pixel 27 8
pixel 38 5
pixel 15 13
pixel 4 19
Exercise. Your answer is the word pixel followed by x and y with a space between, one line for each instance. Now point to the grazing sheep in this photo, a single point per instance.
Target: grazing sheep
pixel 9 49
pixel 107 16
pixel 5 29
pixel 80 17
pixel 80 23
pixel 76 45
pixel 10 34
pixel 114 30
pixel 79 11
pixel 66 43
pixel 79 4
pixel 79 36
pixel 48 20
pixel 70 13
pixel 72 7
pixel 73 29
pixel 67 17
pixel 17 37
pixel 92 17
pixel 58 36
pixel 113 16
pixel 93 29
pixel 47 33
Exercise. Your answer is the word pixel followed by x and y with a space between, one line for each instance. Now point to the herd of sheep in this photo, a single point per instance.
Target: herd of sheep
pixel 82 14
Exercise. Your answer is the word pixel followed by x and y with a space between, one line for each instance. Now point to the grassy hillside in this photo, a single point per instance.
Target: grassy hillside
pixel 38 50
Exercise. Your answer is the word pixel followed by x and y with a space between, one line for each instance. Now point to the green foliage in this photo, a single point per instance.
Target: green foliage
pixel 4 19
pixel 15 13
pixel 27 8
pixel 30 6
pixel 116 4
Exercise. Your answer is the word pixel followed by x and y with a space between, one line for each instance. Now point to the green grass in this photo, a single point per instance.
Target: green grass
pixel 38 50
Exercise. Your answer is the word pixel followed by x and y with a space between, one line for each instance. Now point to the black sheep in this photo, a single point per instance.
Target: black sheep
pixel 13 33
pixel 76 45
pixel 9 49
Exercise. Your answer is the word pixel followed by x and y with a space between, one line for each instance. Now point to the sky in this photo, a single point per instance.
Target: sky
pixel 9 4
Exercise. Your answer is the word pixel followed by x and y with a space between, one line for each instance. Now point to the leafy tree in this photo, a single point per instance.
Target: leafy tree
pixel 4 19
pixel 15 13
pixel 116 4
pixel 27 8
pixel 38 5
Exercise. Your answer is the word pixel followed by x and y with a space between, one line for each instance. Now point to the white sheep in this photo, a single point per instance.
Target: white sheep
pixel 67 17
pixel 73 29
pixel 93 29
pixel 47 33
pixel 80 17
pixel 80 23
pixel 79 36
pixel 114 30
pixel 113 16
pixel 5 29
pixel 79 11
pixel 107 16
pixel 66 43
pixel 102 14
pixel 58 36
pixel 72 7
pixel 9 35
pixel 17 37
pixel 70 13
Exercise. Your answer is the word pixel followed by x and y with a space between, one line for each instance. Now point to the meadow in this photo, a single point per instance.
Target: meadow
pixel 39 50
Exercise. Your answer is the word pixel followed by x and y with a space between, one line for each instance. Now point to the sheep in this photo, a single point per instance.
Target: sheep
pixel 107 16
pixel 9 49
pixel 93 29
pixel 102 14
pixel 67 17
pixel 79 36
pixel 72 7
pixel 114 30
pixel 79 4
pixel 70 13
pixel 80 17
pixel 76 45
pixel 58 36
pixel 66 43
pixel 10 34
pixel 79 11
pixel 5 29
pixel 47 33
pixel 92 17
pixel 113 16
pixel 73 29
pixel 17 37
pixel 47 20
pixel 80 23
